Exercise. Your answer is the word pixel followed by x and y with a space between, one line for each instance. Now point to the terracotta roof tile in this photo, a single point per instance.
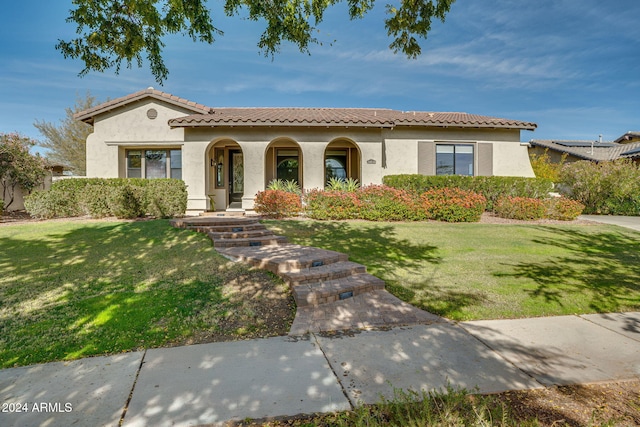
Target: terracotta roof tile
pixel 89 114
pixel 359 117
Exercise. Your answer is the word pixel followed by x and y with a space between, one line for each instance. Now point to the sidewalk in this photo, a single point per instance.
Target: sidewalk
pixel 213 383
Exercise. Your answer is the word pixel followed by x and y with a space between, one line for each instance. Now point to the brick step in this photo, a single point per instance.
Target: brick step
pixel 240 234
pixel 261 241
pixel 314 294
pixel 238 228
pixel 323 273
pixel 285 258
pixel 195 222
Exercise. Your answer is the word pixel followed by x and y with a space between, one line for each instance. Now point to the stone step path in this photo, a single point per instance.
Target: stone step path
pixel 331 292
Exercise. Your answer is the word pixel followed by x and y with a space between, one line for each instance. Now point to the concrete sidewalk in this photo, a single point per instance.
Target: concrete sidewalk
pixel 632 222
pixel 214 383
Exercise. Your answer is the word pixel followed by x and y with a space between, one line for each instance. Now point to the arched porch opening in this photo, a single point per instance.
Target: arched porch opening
pixel 283 160
pixel 225 177
pixel 341 160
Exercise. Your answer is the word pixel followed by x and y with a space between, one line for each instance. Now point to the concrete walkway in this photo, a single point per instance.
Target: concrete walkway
pixel 284 376
pixel 632 222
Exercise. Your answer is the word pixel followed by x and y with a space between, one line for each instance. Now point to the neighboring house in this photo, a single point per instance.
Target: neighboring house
pixel 232 153
pixel 596 151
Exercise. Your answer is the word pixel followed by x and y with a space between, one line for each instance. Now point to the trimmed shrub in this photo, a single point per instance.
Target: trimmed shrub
pixel 165 198
pixel 332 204
pixel 608 188
pixel 99 197
pixel 52 204
pixel 96 200
pixel 453 205
pixel 563 209
pixel 383 203
pixel 127 202
pixel 277 204
pixel 524 208
pixel 491 187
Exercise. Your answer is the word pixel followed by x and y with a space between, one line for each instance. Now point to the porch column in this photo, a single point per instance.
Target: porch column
pixel 253 152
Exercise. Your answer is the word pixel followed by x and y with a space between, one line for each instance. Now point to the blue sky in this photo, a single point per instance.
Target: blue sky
pixel 571 66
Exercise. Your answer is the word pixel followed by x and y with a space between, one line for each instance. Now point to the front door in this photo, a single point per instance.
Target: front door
pixel 236 177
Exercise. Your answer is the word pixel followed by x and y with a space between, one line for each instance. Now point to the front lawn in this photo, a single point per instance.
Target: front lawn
pixel 71 289
pixel 489 271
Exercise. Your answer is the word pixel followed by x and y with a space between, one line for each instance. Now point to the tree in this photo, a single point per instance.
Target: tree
pixel 18 167
pixel 67 142
pixel 113 31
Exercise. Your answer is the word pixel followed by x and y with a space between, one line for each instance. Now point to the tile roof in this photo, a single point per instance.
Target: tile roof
pixel 601 152
pixel 629 136
pixel 89 114
pixel 357 117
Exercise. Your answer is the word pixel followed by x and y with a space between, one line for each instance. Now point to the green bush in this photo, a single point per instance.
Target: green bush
pixel 383 203
pixel 277 204
pixel 127 202
pixel 607 188
pixel 336 205
pixel 100 197
pixel 165 198
pixel 453 205
pixel 523 208
pixel 96 200
pixel 52 204
pixel 563 209
pixel 491 187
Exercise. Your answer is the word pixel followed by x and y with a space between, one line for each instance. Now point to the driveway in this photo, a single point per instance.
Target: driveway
pixel 632 222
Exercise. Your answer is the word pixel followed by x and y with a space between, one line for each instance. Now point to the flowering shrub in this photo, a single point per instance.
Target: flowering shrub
pixel 520 208
pixel 277 204
pixel 563 209
pixel 453 205
pixel 382 203
pixel 332 204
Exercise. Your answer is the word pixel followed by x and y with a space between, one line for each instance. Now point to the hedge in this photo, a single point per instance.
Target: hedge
pixel 606 188
pixel 101 197
pixel 277 203
pixel 491 187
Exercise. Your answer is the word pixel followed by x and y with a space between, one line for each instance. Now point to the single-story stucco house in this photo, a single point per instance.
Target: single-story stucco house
pixel 232 153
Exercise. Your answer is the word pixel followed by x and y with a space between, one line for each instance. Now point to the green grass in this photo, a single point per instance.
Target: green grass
pixel 489 271
pixel 72 289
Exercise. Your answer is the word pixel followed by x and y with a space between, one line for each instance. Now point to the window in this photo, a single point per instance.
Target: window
pixel 175 161
pixel 454 159
pixel 134 164
pixel 287 165
pixel 154 164
pixel 219 162
pixel 335 165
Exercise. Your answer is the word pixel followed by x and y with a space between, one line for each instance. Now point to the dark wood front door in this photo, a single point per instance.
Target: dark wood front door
pixel 236 176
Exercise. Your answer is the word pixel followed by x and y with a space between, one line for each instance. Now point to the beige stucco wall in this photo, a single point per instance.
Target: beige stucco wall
pixel 129 127
pixel 511 159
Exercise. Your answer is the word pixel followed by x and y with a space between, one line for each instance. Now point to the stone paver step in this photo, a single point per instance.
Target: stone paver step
pixel 285 258
pixel 240 234
pixel 368 310
pixel 259 241
pixel 323 273
pixel 234 228
pixel 195 222
pixel 315 294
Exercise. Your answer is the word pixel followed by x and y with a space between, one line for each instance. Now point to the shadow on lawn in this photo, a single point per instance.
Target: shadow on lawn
pixel 93 289
pixel 396 260
pixel 602 266
pixel 375 245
